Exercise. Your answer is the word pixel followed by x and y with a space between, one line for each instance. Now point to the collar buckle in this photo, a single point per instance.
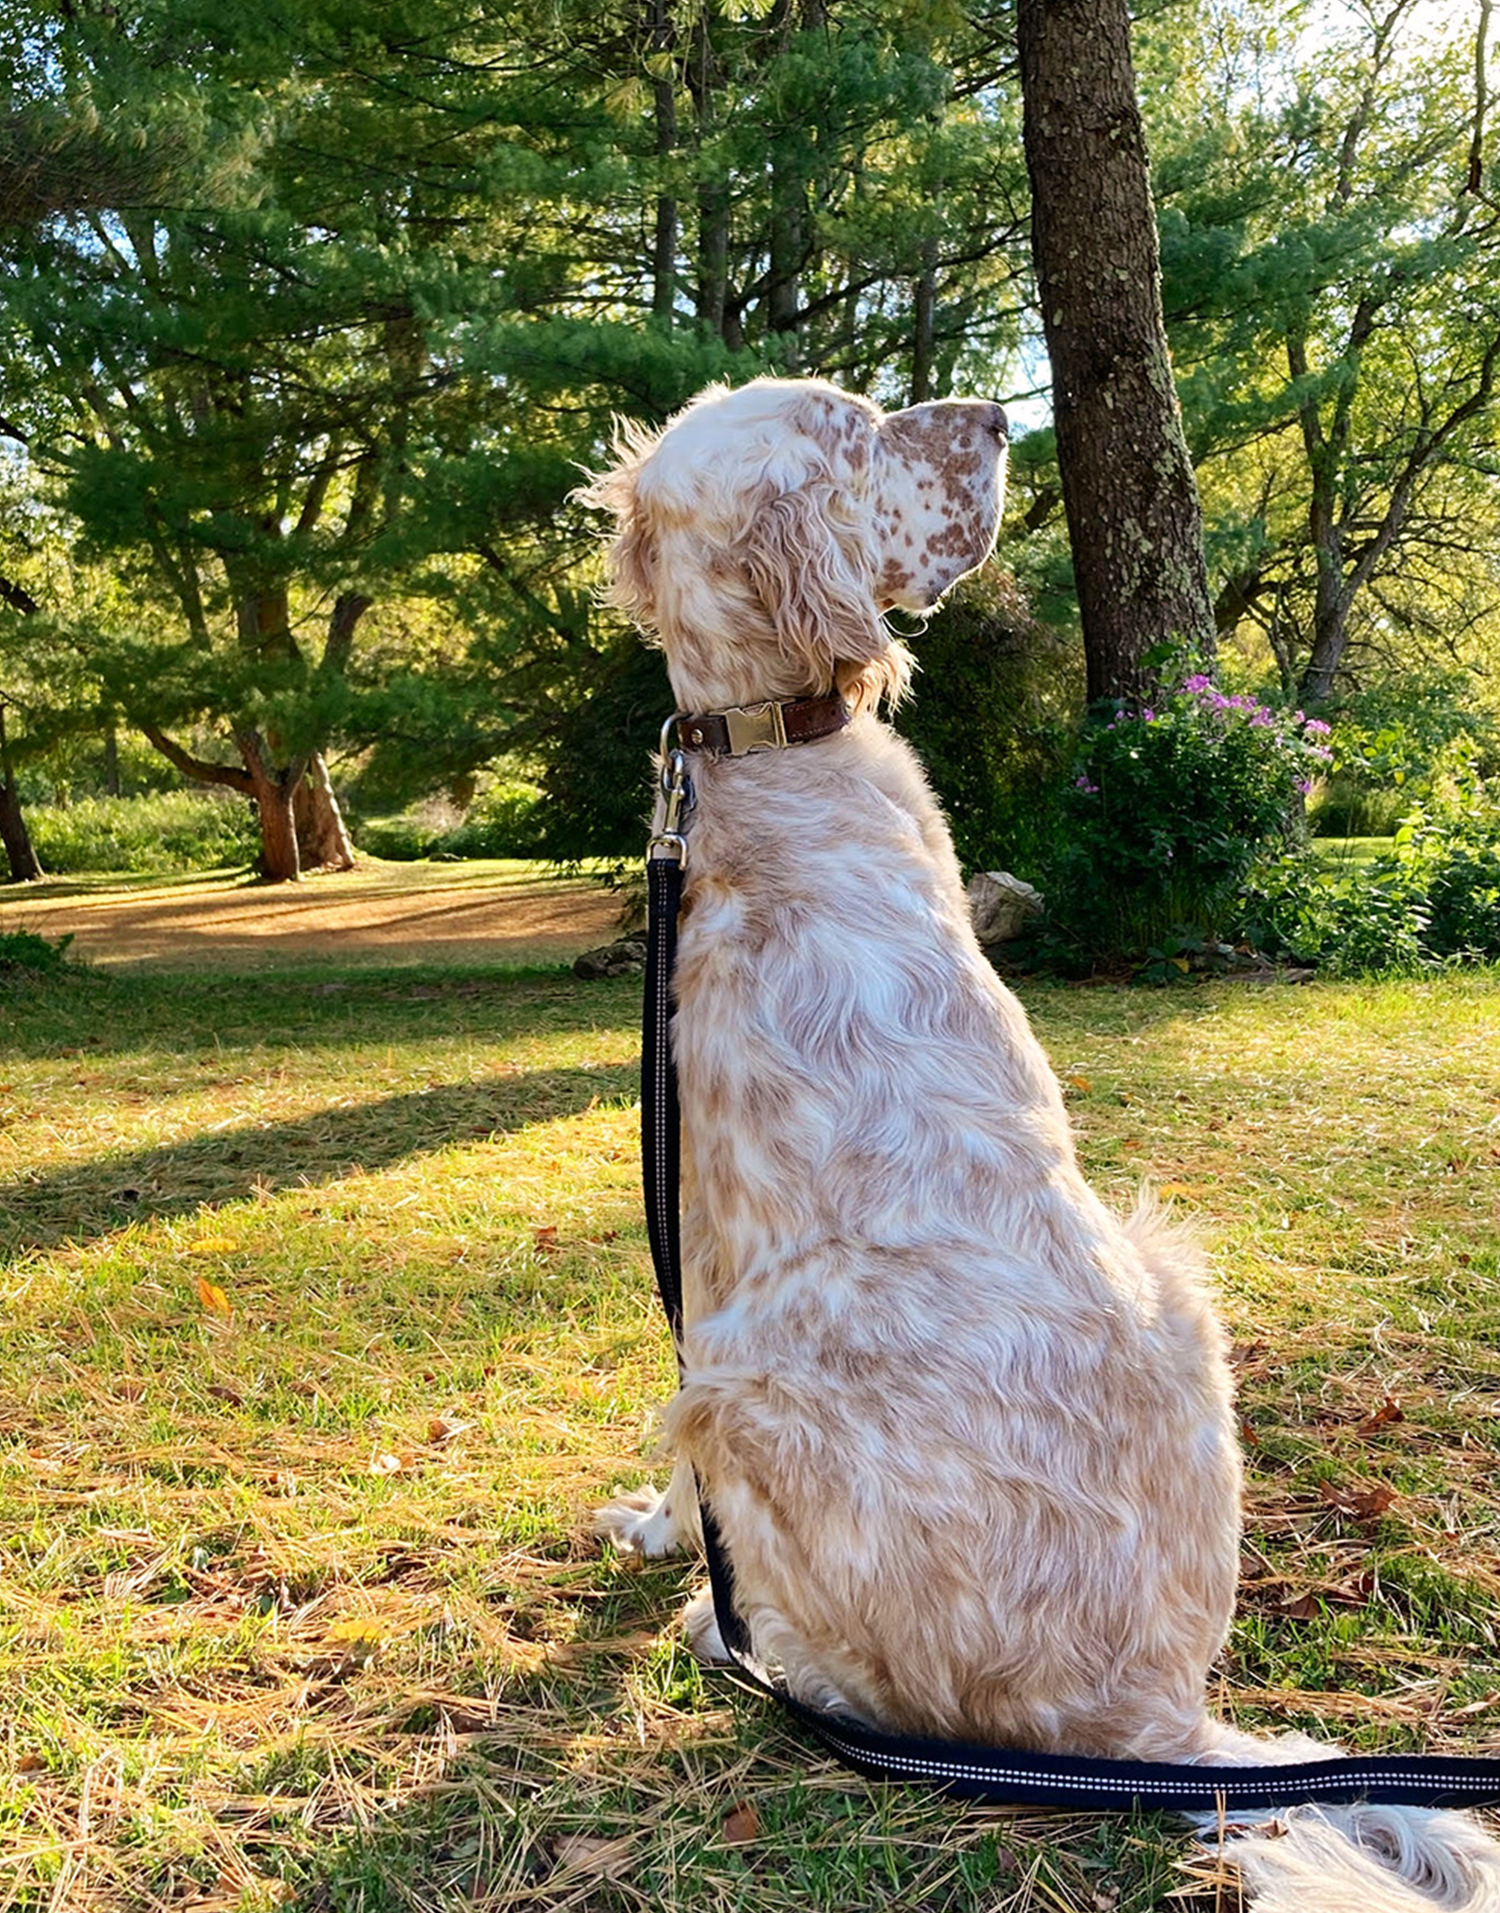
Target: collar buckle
pixel 755 727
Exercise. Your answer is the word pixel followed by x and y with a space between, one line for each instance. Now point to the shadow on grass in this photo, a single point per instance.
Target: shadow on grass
pixel 86 1013
pixel 637 1781
pixel 92 1199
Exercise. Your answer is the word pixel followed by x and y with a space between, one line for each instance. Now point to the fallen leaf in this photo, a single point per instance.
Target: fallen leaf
pixel 741 1824
pixel 1175 1189
pixel 212 1297
pixel 440 1429
pixel 1389 1411
pixel 389 1464
pixel 1304 1608
pixel 361 1629
pixel 1081 1082
pixel 586 1853
pixel 1248 1434
pixel 221 1391
pixel 544 1239
pixel 130 1390
pixel 1362 1504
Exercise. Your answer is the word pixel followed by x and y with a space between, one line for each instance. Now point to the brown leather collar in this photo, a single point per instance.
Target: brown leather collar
pixel 763 727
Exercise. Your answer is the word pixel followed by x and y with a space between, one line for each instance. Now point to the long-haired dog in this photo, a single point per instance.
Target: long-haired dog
pixel 968 1436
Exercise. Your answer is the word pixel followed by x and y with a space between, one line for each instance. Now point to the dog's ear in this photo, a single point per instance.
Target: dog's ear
pixel 631 560
pixel 807 548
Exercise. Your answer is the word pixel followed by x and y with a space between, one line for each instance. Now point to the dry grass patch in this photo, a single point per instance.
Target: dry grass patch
pixel 329 1316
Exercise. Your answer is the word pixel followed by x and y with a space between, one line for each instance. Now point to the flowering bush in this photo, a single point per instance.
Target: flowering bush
pixel 1169 810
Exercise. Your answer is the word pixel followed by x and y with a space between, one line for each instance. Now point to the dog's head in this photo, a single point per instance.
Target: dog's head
pixel 765 531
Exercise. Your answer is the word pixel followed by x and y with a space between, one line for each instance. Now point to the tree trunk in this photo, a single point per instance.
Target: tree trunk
pixel 273 793
pixel 924 316
pixel 1333 598
pixel 704 78
pixel 111 761
pixel 664 100
pixel 1127 481
pixel 788 219
pixel 25 866
pixel 323 842
pixel 278 861
pixel 1330 634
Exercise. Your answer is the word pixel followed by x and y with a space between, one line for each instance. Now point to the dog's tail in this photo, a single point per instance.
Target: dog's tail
pixel 1355 1859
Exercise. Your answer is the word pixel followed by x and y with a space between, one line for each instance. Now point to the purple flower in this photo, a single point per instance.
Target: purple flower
pixel 1081 782
pixel 1197 683
pixel 1315 727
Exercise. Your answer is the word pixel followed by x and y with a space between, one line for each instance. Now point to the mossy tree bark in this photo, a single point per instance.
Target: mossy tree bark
pixel 1127 481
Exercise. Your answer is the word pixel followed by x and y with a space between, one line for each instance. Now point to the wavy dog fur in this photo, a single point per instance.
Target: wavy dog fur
pixel 968 1435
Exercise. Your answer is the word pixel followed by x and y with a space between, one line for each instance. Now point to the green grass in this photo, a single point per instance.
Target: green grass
pixel 1347 856
pixel 297 1602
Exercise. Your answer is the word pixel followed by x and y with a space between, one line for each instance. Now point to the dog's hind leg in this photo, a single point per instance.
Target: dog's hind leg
pixel 650 1523
pixel 700 1627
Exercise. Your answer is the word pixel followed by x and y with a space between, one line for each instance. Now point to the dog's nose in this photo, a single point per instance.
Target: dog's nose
pixel 998 423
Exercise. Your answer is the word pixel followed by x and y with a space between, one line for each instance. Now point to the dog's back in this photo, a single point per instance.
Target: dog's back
pixel 956 1399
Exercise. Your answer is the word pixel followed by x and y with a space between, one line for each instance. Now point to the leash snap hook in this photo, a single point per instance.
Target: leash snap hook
pixel 677 790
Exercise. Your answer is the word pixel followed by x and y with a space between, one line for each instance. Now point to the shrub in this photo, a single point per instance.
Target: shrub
pixel 503 821
pixel 24 953
pixel 1359 924
pixel 171 831
pixel 1347 806
pixel 1450 849
pixel 993 720
pixel 1169 810
pixel 400 840
pixel 1392 739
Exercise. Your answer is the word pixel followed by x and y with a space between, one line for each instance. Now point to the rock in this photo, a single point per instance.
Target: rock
pixel 1001 905
pixel 625 958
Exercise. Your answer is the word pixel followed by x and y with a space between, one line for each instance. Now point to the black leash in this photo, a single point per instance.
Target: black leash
pixel 995 1774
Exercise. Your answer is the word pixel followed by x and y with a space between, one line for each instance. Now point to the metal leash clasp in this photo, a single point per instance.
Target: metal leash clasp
pixel 677 790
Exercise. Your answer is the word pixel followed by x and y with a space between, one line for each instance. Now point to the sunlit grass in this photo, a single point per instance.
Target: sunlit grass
pixel 328 1317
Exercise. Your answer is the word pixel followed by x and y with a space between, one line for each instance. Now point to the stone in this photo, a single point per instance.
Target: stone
pixel 1001 905
pixel 625 958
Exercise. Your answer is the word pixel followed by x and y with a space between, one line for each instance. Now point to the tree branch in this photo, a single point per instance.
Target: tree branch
pixel 18 597
pixel 198 768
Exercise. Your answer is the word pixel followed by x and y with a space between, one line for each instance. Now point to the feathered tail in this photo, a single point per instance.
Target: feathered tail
pixel 1356 1859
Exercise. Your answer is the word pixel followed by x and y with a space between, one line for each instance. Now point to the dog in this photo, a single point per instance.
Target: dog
pixel 968 1436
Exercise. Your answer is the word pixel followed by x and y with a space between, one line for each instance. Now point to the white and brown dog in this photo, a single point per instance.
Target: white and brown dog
pixel 968 1435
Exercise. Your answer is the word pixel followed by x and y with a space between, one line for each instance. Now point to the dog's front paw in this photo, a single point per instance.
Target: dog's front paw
pixel 641 1521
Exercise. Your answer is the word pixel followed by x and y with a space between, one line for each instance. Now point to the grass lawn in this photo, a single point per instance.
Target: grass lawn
pixel 1347 856
pixel 328 1316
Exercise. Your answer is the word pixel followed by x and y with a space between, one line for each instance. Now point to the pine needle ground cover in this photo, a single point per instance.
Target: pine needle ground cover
pixel 328 1317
